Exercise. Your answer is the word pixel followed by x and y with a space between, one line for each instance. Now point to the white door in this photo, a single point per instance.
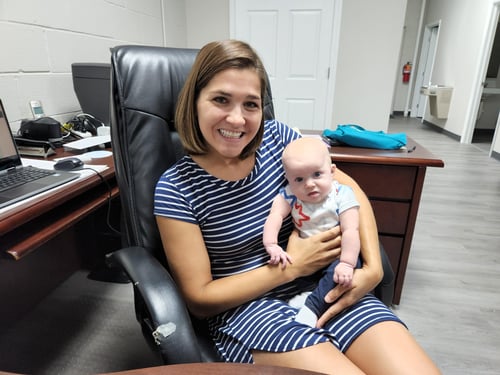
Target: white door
pixel 294 40
pixel 425 63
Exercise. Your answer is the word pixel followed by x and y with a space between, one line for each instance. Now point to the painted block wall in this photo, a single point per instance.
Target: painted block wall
pixel 41 39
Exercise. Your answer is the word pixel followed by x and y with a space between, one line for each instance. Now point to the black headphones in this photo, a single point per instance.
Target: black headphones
pixel 84 122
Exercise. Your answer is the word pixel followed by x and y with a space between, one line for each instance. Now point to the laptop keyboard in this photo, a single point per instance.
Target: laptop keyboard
pixel 22 176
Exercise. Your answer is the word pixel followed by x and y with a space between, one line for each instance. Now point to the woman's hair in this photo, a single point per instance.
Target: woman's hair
pixel 212 59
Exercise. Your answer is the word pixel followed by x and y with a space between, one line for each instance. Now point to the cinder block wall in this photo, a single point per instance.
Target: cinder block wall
pixel 40 39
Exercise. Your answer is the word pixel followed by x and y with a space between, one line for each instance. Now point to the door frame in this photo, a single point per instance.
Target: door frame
pixel 410 93
pixel 430 53
pixel 334 55
pixel 480 77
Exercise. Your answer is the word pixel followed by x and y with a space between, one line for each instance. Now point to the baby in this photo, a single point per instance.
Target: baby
pixel 316 202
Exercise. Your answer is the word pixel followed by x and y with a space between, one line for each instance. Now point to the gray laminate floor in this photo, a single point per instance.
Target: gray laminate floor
pixel 451 296
pixel 450 301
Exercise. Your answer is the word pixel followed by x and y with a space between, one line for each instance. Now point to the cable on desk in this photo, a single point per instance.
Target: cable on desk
pixel 108 214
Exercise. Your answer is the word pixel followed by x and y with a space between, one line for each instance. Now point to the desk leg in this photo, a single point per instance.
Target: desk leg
pixel 412 219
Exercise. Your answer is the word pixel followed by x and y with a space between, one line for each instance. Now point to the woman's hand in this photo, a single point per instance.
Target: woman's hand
pixel 342 297
pixel 313 253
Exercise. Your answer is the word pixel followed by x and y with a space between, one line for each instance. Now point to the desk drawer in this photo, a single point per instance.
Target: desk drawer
pixel 391 217
pixel 382 181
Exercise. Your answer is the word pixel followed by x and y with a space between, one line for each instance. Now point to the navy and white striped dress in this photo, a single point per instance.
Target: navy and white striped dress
pixel 231 215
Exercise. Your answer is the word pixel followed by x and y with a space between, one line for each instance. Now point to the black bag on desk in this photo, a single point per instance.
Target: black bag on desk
pixel 42 129
pixel 356 136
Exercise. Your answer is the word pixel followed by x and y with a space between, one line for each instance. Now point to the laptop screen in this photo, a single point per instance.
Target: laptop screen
pixel 9 156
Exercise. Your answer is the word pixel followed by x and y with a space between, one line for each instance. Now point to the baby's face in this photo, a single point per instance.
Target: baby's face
pixel 310 179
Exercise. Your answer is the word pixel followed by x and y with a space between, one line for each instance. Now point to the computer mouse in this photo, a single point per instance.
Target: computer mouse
pixel 68 164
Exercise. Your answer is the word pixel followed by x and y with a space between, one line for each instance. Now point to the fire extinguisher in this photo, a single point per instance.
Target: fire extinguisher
pixel 406 72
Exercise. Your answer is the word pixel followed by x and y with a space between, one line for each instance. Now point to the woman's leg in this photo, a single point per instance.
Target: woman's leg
pixel 324 358
pixel 389 348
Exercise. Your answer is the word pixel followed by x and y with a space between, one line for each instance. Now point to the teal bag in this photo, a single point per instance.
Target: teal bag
pixel 356 136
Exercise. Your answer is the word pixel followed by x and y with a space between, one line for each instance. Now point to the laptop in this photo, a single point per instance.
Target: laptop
pixel 16 181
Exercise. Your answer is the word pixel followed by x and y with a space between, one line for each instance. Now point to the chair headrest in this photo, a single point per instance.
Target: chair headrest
pixel 159 70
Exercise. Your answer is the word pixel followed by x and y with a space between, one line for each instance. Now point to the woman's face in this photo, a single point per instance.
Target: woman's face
pixel 229 111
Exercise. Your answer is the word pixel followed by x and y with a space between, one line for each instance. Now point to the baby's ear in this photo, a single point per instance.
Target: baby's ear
pixel 333 168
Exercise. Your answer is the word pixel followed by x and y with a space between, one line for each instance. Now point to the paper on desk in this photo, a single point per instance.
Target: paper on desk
pixel 87 156
pixel 89 142
pixel 47 164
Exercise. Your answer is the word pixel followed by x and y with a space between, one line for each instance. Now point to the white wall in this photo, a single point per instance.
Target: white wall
pixel 40 40
pixel 174 29
pixel 207 20
pixel 410 36
pixel 368 58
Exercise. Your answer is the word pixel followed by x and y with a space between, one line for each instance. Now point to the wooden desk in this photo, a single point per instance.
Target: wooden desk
pixel 393 181
pixel 29 225
pixel 43 241
pixel 215 369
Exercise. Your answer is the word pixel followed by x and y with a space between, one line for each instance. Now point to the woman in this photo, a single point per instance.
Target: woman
pixel 211 207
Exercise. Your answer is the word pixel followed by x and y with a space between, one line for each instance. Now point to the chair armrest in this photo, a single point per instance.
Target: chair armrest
pixel 163 301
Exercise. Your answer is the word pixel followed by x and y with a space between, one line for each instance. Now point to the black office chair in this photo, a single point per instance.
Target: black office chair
pixel 145 83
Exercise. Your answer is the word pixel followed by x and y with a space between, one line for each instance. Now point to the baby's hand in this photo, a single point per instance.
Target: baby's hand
pixel 343 274
pixel 278 255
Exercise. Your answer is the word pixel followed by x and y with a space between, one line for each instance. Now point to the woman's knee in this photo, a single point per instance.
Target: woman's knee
pixel 389 348
pixel 324 358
